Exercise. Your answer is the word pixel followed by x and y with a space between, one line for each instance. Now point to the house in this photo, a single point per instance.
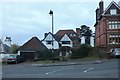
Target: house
pixel 29 49
pixel 1 46
pixel 62 40
pixel 4 49
pixel 107 27
pixel 86 36
pixel 67 38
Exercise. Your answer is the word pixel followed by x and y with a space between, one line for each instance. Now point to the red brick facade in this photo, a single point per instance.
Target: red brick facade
pixel 107 28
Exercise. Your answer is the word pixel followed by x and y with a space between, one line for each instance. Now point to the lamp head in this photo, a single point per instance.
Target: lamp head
pixel 51 12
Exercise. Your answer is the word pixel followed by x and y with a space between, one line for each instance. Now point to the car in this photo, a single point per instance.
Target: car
pixel 15 59
pixel 115 52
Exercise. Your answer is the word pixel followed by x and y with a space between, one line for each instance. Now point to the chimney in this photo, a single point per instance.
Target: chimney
pixel 101 6
pixel 45 35
pixel 78 31
pixel 97 13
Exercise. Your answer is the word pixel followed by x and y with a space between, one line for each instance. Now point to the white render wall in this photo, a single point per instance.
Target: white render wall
pixel 49 46
pixel 82 40
pixel 92 41
pixel 66 38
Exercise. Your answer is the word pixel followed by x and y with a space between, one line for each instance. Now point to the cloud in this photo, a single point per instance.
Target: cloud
pixel 22 20
pixel 50 0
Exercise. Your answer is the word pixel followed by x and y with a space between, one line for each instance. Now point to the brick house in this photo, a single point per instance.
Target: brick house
pixel 29 49
pixel 107 27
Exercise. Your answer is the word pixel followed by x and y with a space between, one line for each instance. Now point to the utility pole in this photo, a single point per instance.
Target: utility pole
pixel 51 14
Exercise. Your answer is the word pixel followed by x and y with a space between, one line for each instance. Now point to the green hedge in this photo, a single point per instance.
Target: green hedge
pixel 84 50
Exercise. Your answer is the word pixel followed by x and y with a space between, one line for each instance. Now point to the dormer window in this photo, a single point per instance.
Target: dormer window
pixel 71 35
pixel 113 11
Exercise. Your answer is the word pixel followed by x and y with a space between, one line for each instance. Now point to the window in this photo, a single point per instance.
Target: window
pixel 113 11
pixel 114 25
pixel 114 39
pixel 48 42
pixel 65 42
pixel 110 27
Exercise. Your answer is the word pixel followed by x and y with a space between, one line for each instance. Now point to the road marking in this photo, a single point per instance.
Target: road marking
pixel 88 69
pixel 53 71
pixel 57 71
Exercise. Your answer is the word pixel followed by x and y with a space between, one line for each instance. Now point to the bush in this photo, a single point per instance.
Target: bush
pixel 81 52
pixel 43 55
pixel 93 53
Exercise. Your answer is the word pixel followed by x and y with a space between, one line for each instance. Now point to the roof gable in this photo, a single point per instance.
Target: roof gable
pixel 112 5
pixel 34 44
pixel 65 38
pixel 49 37
pixel 61 33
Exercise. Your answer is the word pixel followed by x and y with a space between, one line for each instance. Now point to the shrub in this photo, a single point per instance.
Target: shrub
pixel 81 52
pixel 43 55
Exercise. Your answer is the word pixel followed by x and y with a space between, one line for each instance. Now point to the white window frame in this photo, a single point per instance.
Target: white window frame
pixel 113 11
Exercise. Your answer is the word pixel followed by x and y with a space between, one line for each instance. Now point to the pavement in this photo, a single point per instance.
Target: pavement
pixel 68 63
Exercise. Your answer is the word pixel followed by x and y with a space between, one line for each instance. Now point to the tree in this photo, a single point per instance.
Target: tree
pixel 86 32
pixel 13 48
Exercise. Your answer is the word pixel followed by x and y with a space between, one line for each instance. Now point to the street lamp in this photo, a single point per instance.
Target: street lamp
pixel 51 14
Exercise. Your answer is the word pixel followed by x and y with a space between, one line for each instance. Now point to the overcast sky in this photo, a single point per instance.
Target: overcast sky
pixel 22 20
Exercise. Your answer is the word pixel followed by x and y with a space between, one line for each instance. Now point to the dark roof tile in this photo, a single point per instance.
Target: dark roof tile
pixel 34 44
pixel 61 33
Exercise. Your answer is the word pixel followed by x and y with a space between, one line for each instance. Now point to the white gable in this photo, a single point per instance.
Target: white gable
pixel 49 37
pixel 66 41
pixel 48 42
pixel 65 38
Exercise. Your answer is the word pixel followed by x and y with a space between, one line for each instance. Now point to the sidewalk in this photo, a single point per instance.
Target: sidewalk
pixel 68 63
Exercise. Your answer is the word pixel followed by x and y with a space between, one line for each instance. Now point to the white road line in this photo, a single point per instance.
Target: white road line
pixel 88 69
pixel 57 71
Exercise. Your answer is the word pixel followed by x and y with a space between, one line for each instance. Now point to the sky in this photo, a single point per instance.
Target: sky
pixel 24 19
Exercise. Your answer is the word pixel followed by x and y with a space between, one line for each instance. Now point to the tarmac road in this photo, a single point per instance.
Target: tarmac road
pixel 107 69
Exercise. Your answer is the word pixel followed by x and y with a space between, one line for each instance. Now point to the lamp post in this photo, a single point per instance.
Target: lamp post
pixel 51 14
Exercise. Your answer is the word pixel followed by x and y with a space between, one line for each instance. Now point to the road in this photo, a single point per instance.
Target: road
pixel 107 69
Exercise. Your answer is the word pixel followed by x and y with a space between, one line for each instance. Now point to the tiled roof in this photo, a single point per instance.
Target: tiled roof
pixel 61 33
pixel 34 44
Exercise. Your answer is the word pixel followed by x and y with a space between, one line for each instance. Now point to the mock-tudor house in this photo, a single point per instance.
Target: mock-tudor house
pixel 107 27
pixel 67 38
pixel 63 40
pixel 29 49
